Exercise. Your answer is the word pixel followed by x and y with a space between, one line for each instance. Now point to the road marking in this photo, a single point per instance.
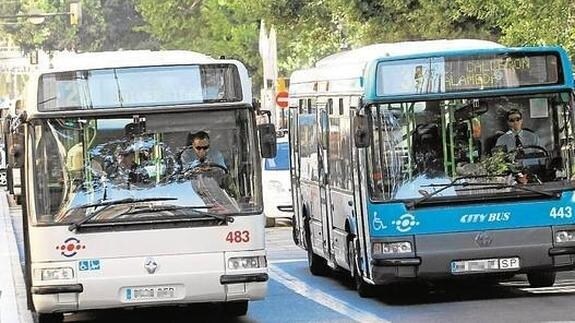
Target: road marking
pixel 287 261
pixel 563 286
pixel 320 297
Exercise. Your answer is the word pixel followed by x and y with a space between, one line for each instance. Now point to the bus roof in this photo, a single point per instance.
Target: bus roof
pixel 70 62
pixel 115 59
pixel 353 71
pixel 372 52
pixel 351 64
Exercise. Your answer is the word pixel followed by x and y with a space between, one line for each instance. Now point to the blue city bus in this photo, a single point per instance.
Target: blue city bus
pixel 405 164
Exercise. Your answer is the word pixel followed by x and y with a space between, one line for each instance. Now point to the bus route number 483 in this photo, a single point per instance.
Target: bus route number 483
pixel 561 212
pixel 238 236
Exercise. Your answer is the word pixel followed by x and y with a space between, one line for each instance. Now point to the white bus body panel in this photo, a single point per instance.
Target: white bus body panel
pixel 184 261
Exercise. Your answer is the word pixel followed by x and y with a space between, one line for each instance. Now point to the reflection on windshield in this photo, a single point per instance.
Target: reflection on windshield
pixel 84 161
pixel 419 148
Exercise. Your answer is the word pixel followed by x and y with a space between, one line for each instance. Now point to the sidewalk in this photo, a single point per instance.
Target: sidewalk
pixel 12 289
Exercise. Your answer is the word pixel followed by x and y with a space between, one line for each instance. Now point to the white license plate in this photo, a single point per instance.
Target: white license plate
pixel 485 265
pixel 150 293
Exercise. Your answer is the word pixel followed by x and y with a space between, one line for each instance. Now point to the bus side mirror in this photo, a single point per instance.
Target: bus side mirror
pixel 16 155
pixel 15 141
pixel 267 140
pixel 361 131
pixel 256 104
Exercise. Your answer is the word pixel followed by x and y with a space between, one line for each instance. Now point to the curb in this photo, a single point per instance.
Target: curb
pixel 13 307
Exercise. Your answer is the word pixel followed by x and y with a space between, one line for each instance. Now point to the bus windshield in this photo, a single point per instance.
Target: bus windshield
pixel 466 148
pixel 152 158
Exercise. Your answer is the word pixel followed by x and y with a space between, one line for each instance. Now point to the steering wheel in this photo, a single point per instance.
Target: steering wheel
pixel 204 168
pixel 539 148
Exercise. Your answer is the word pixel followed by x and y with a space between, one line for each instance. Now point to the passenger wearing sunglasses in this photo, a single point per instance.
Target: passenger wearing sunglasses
pixel 200 154
pixel 517 138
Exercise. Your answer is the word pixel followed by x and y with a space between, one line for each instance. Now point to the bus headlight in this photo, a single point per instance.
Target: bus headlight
pixel 239 263
pixel 564 236
pixel 60 273
pixel 390 248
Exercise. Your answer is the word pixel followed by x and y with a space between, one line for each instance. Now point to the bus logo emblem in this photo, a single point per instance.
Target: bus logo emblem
pixel 151 265
pixel 405 223
pixel 483 239
pixel 70 247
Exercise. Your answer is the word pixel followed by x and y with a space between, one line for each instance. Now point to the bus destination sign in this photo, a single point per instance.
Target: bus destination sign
pixel 465 73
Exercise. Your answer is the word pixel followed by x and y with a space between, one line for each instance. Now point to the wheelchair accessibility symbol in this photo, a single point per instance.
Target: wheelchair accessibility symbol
pixel 377 223
pixel 89 265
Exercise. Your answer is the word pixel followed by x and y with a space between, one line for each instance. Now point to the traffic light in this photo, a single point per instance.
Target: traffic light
pixel 282 84
pixel 75 13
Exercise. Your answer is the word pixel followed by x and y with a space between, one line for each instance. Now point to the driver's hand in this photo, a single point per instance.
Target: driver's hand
pixel 521 178
pixel 200 169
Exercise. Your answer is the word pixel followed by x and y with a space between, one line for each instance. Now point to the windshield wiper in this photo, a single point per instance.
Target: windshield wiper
pixel 426 197
pixel 495 185
pixel 519 187
pixel 195 208
pixel 106 204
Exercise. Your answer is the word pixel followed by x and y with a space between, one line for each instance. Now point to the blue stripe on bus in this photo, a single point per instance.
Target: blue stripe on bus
pixel 393 219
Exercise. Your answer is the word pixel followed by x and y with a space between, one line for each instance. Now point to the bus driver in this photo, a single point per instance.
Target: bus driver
pixel 517 137
pixel 200 154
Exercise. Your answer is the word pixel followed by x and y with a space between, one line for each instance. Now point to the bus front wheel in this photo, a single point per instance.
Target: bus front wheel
pixel 541 279
pixel 364 289
pixel 317 265
pixel 239 308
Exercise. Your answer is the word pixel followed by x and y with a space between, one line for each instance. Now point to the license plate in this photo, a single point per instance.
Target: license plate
pixel 150 293
pixel 485 265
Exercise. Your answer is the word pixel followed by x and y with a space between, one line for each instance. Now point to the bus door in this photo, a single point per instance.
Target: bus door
pixel 295 170
pixel 323 151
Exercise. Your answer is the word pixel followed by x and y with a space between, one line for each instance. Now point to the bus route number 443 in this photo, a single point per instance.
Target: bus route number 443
pixel 563 212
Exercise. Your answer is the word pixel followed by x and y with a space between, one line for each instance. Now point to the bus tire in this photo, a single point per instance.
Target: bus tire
pixel 541 279
pixel 239 308
pixel 317 265
pixel 294 232
pixel 364 289
pixel 50 317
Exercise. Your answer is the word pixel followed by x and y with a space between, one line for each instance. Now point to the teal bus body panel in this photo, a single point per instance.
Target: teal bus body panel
pixel 394 219
pixel 370 77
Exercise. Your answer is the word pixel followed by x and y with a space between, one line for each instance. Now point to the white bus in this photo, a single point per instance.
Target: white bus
pixel 114 215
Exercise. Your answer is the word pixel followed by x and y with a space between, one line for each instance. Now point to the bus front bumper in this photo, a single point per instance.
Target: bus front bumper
pixel 436 254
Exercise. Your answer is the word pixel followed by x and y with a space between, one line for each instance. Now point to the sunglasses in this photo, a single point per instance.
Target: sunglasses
pixel 513 119
pixel 201 147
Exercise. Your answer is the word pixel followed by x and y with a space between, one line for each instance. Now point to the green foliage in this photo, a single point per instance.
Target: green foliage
pixel 528 22
pixel 106 25
pixel 499 163
pixel 307 29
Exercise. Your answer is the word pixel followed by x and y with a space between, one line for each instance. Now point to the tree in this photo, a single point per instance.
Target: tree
pixel 307 29
pixel 106 25
pixel 528 22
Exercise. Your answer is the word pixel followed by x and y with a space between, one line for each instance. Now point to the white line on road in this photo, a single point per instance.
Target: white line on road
pixel 322 298
pixel 285 261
